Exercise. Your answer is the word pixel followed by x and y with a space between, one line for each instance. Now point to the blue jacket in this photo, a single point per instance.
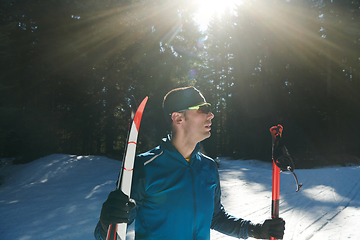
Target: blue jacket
pixel 177 199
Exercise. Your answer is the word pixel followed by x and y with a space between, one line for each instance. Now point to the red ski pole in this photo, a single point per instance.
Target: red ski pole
pixel 276 132
pixel 281 161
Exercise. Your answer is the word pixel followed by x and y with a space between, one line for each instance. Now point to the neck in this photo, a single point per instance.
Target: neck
pixel 183 145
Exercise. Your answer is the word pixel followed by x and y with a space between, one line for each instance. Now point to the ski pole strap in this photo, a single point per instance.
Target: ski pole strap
pixel 280 154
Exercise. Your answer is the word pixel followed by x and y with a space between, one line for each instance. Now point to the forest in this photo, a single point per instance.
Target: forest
pixel 69 67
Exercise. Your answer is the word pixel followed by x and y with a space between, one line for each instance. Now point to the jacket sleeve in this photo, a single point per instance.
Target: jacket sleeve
pixel 138 186
pixel 97 232
pixel 224 222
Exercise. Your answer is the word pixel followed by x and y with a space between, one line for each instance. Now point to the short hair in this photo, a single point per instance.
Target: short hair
pixel 180 99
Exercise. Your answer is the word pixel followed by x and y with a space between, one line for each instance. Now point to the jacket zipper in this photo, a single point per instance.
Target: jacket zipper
pixel 194 200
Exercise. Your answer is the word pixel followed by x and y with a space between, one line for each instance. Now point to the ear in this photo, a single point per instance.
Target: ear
pixel 177 118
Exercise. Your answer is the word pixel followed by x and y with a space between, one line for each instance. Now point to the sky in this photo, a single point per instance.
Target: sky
pixel 207 8
pixel 60 197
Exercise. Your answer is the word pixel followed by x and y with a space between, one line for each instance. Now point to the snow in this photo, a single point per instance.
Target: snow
pixel 60 197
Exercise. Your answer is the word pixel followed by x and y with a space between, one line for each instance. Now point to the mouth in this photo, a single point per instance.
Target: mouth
pixel 208 126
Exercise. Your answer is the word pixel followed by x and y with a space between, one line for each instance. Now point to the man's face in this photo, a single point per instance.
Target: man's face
pixel 198 124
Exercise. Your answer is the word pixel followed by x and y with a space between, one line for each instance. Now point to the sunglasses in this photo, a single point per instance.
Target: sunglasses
pixel 201 108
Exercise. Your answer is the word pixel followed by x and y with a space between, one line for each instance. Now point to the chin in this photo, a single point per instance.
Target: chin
pixel 207 135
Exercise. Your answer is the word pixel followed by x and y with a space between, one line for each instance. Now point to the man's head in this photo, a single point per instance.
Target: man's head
pixel 189 116
pixel 181 99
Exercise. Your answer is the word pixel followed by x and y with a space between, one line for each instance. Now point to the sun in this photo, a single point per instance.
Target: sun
pixel 208 8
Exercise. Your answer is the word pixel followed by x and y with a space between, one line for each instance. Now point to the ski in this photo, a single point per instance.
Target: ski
pixel 281 162
pixel 125 176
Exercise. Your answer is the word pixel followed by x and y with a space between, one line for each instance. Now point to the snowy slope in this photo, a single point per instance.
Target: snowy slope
pixel 326 207
pixel 60 197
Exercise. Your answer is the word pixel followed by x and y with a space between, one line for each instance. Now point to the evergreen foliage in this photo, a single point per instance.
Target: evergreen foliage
pixel 69 67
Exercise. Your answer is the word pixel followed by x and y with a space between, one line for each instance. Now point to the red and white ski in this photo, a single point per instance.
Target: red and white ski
pixel 125 176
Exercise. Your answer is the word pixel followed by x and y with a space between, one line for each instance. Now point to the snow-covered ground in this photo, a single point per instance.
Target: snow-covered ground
pixel 60 197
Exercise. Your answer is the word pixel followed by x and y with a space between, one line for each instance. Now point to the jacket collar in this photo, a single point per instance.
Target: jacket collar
pixel 166 142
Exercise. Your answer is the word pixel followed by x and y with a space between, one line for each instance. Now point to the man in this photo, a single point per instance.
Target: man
pixel 176 188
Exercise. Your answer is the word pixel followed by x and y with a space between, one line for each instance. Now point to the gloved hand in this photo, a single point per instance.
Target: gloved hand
pixel 116 209
pixel 270 228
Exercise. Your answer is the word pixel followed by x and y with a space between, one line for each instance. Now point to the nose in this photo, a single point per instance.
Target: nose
pixel 210 116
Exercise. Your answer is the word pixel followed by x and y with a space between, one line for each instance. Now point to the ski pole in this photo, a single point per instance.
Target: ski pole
pixel 281 162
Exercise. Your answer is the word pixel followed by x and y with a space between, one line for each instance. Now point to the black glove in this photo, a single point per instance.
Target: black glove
pixel 116 209
pixel 270 228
